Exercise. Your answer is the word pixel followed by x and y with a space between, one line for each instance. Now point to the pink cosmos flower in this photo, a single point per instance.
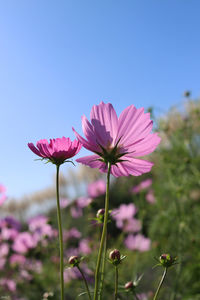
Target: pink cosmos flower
pixel 132 225
pixel 77 209
pixel 23 242
pixel 57 150
pixel 17 259
pixel 118 141
pixel 96 188
pixel 124 218
pixel 150 197
pixel 40 227
pixel 142 186
pixel 2 194
pixel 4 250
pixel 9 284
pixel 64 202
pixel 137 242
pixel 124 212
pixel 84 247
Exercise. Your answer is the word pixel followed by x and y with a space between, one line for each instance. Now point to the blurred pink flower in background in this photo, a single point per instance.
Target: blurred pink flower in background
pixel 137 242
pixel 2 194
pixel 150 197
pixel 10 222
pixel 124 212
pixel 132 225
pixel 2 263
pixel 4 250
pixel 142 186
pixel 76 209
pixel 17 259
pixel 23 242
pixel 96 188
pixel 8 284
pixel 9 228
pixel 118 140
pixel 40 228
pixel 57 150
pixel 124 218
pixel 64 202
pixel 84 247
pixel 72 233
pixel 73 273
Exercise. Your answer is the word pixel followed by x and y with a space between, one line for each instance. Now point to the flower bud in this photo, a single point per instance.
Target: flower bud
pixel 166 260
pixel 74 261
pixel 100 213
pixel 114 255
pixel 129 285
pixel 187 94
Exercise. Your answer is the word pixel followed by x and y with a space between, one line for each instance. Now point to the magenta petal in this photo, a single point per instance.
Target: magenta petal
pixel 34 149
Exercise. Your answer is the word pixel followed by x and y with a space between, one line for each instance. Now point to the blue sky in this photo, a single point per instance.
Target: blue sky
pixel 58 58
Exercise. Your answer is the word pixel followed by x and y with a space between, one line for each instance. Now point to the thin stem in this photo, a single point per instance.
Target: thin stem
pixel 135 296
pixel 60 233
pixel 85 281
pixel 103 267
pixel 116 281
pixel 160 284
pixel 103 233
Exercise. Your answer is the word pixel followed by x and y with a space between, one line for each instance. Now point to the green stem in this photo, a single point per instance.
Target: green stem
pixel 135 296
pixel 103 234
pixel 60 233
pixel 85 281
pixel 116 281
pixel 103 267
pixel 160 284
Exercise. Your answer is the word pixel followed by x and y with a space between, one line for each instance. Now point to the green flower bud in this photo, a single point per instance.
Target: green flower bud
pixel 74 261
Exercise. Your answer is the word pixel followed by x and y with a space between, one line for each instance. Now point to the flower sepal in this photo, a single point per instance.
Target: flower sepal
pixel 166 261
pixel 115 258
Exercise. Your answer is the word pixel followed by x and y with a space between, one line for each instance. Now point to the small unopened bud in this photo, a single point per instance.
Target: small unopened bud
pixel 114 255
pixel 129 285
pixel 187 94
pixel 74 261
pixel 100 213
pixel 167 260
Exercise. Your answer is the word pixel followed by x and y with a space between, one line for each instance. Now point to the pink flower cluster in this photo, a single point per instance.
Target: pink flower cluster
pixel 96 188
pixel 124 217
pixel 15 246
pixel 143 186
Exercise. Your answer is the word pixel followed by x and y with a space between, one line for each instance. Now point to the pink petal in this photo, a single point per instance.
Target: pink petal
pixel 104 119
pixel 34 149
pixel 132 166
pixel 145 146
pixel 89 133
pixel 85 143
pixel 93 162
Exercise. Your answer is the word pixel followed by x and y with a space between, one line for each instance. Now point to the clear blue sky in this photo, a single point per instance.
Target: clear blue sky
pixel 58 58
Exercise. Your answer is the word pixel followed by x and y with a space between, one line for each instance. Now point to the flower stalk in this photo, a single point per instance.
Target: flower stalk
pixel 116 282
pixel 60 233
pixel 103 267
pixel 85 281
pixel 103 236
pixel 160 284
